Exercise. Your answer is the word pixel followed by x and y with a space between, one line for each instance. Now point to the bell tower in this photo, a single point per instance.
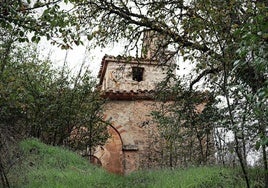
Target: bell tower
pixel 129 75
pixel 129 85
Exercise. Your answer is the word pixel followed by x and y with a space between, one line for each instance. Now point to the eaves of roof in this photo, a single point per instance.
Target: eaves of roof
pixel 129 95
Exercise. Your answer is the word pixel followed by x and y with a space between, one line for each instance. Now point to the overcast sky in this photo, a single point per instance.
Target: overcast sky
pixel 79 54
pixel 91 57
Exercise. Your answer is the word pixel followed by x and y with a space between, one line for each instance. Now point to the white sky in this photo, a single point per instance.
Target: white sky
pixel 77 55
pixel 91 57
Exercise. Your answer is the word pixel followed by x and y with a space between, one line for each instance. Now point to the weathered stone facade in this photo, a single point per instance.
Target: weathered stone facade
pixel 129 85
pixel 133 127
pixel 129 107
pixel 116 74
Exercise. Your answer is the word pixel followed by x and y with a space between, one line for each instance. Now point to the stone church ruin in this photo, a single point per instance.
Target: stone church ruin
pixel 129 85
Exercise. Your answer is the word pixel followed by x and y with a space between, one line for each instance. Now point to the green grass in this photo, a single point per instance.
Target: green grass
pixel 47 166
pixel 197 177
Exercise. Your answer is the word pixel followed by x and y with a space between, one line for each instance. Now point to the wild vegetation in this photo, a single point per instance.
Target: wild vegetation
pixel 53 105
pixel 225 42
pixel 47 166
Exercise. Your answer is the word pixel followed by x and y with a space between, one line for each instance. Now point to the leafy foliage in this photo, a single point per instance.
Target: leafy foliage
pixel 225 40
pixel 42 102
pixel 47 103
pixel 186 123
pixel 30 20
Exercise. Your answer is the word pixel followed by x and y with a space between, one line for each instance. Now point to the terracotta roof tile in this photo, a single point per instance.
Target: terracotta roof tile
pixel 129 95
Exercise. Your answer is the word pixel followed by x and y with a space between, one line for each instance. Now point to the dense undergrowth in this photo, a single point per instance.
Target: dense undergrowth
pixel 46 166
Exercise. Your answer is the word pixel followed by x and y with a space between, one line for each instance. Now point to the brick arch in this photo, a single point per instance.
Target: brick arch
pixel 126 138
pixel 111 154
pixel 95 160
pixel 115 155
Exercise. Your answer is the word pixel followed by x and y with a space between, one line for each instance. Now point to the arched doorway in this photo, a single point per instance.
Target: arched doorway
pixel 111 154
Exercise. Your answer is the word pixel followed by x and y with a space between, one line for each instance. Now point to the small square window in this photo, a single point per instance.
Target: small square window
pixel 137 73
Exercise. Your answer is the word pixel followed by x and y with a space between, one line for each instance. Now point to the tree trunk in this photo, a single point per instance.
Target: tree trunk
pixel 237 149
pixel 4 179
pixel 264 158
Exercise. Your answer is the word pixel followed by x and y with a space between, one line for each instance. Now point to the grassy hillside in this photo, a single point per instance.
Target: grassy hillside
pixel 47 166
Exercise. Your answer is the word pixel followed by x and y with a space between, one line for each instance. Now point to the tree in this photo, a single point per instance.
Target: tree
pixel 226 40
pixel 26 99
pixel 29 20
pixel 39 101
pixel 186 122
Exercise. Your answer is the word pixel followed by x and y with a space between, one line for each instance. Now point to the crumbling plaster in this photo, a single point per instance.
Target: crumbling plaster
pixel 118 76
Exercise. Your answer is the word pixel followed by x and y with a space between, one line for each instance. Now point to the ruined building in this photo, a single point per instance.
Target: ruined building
pixel 129 86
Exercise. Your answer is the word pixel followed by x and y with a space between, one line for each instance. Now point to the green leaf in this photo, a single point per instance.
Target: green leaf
pixel 33 39
pixel 21 33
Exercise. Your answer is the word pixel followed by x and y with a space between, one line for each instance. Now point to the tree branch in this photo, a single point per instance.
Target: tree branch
pixel 204 73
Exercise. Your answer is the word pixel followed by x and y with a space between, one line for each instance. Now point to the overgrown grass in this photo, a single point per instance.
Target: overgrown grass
pixel 194 177
pixel 47 166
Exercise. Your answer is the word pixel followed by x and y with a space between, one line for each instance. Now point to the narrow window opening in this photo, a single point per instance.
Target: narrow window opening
pixel 137 73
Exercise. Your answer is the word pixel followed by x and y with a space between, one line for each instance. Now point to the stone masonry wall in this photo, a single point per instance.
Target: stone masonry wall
pixel 133 123
pixel 118 77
